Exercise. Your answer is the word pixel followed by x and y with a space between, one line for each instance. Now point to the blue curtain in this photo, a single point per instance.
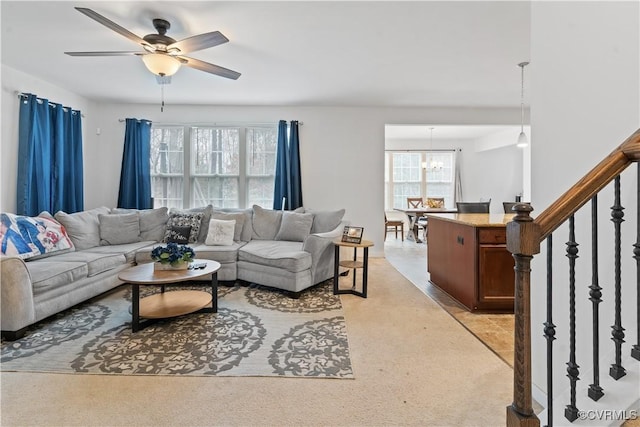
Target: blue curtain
pixel 281 187
pixel 135 177
pixel 50 170
pixel 295 177
pixel 288 186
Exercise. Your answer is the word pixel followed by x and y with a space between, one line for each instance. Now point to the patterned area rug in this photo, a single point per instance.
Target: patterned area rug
pixel 257 332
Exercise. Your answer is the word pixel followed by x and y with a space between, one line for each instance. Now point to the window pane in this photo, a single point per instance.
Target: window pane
pixel 167 166
pixel 167 191
pixel 409 180
pixel 167 150
pixel 218 191
pixel 261 165
pixel 260 191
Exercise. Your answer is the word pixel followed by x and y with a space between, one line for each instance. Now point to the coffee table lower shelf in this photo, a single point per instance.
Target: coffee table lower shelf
pixel 172 304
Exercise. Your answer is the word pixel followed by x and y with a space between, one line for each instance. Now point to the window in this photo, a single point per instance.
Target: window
pixel 231 167
pixel 419 174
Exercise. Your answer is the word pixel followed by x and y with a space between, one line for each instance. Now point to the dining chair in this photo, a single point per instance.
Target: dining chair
pixel 414 202
pixel 473 207
pixel 508 206
pixel 393 224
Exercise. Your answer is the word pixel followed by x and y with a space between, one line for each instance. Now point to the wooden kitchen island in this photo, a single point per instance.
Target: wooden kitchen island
pixel 467 258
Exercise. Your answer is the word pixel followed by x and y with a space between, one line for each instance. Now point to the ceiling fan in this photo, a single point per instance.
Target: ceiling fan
pixel 163 55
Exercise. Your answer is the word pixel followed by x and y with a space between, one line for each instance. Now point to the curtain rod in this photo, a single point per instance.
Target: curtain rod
pixel 218 124
pixel 422 151
pixel 51 104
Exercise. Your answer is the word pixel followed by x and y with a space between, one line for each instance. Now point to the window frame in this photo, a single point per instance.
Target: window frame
pixel 189 176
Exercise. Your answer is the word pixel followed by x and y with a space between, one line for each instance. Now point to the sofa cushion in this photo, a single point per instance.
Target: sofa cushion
pixel 266 223
pixel 185 219
pixel 295 227
pixel 247 226
pixel 129 250
pixel 239 219
pixel 153 222
pixel 201 234
pixel 46 274
pixel 324 221
pixel 31 238
pixel 96 262
pixel 117 229
pixel 220 232
pixel 222 254
pixel 83 227
pixel 281 254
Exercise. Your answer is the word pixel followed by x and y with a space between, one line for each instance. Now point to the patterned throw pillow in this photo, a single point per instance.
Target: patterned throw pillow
pixel 32 237
pixel 220 232
pixel 192 220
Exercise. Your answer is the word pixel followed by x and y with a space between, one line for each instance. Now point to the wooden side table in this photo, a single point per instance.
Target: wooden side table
pixel 352 264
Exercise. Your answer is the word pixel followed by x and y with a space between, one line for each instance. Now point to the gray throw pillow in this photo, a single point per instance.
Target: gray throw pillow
pixel 118 229
pixel 83 227
pixel 324 221
pixel 247 226
pixel 192 220
pixel 266 223
pixel 295 227
pixel 153 222
pixel 237 217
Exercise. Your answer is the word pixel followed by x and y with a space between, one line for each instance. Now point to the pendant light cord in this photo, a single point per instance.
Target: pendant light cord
pixel 522 65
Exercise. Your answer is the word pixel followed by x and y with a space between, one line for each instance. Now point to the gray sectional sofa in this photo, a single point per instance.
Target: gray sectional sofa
pixel 285 250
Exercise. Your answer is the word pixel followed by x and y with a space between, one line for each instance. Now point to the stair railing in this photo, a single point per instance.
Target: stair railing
pixel 524 237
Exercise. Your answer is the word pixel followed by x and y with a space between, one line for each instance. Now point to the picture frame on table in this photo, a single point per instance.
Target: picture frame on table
pixel 352 234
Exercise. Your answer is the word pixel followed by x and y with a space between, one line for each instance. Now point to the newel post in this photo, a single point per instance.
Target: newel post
pixel 523 241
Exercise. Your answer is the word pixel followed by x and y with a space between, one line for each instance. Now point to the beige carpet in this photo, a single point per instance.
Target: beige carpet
pixel 413 364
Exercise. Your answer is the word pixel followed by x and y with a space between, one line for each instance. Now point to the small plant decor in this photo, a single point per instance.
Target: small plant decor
pixel 173 254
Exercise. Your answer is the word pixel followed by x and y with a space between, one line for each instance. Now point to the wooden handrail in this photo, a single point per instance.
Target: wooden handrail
pixel 524 235
pixel 594 181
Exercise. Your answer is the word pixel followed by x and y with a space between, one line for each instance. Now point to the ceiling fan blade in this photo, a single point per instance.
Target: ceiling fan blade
pixel 104 53
pixel 199 42
pixel 209 68
pixel 110 24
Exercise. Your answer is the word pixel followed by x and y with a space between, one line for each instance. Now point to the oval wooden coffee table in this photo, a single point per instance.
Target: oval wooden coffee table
pixel 170 304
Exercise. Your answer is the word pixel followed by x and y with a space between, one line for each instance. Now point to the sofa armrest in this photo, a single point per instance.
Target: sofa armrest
pixel 16 292
pixel 320 246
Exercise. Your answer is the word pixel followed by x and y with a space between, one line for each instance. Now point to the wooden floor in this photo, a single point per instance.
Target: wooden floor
pixel 494 330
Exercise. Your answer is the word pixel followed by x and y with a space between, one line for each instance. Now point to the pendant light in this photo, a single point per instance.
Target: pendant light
pixel 522 138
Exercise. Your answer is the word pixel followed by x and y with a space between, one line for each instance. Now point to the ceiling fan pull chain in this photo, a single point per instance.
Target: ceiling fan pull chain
pixel 162 98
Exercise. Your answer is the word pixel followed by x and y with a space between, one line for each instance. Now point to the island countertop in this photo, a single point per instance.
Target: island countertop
pixel 475 219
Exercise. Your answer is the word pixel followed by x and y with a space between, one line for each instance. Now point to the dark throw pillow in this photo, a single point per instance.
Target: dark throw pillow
pixel 178 234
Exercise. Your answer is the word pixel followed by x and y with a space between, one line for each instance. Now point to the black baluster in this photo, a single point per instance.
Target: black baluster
pixel 617 334
pixel 635 350
pixel 595 295
pixel 571 411
pixel 549 332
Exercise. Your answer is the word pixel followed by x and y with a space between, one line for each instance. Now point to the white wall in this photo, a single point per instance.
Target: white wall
pixel 585 101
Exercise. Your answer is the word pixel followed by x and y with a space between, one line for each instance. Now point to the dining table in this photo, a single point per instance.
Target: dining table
pixel 415 213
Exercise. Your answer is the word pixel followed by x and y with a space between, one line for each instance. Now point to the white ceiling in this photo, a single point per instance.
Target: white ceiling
pixel 399 54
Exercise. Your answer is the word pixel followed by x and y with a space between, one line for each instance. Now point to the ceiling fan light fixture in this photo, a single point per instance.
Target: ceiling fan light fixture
pixel 161 64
